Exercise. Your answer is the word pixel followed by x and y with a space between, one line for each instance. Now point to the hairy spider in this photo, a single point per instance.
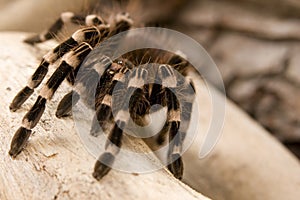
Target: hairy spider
pixel 126 71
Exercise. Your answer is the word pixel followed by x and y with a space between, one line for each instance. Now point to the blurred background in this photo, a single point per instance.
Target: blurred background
pixel 254 43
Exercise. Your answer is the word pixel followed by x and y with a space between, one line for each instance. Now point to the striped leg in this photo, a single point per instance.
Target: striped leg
pixel 176 135
pixel 113 76
pixel 84 86
pixel 135 89
pixel 178 115
pixel 179 63
pixel 169 82
pixel 65 18
pixel 90 35
pixel 70 61
pixel 162 95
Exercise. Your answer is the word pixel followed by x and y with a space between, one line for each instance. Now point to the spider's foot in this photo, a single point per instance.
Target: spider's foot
pixel 20 98
pixel 176 167
pixel 63 110
pixel 95 129
pixel 65 105
pixel 102 169
pixel 33 40
pixel 59 115
pixel 19 141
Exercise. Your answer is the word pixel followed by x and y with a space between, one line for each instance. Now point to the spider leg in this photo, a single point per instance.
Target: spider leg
pixel 103 102
pixel 113 76
pixel 178 115
pixel 179 63
pixel 65 18
pixel 172 125
pixel 135 89
pixel 91 35
pixel 179 121
pixel 91 73
pixel 70 61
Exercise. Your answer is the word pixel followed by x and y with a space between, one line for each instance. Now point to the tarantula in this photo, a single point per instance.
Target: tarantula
pixel 69 56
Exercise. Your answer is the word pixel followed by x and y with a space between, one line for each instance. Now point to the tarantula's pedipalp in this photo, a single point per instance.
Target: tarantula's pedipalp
pixel 70 61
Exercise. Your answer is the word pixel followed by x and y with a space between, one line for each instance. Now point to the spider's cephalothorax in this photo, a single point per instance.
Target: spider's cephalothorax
pixel 123 71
